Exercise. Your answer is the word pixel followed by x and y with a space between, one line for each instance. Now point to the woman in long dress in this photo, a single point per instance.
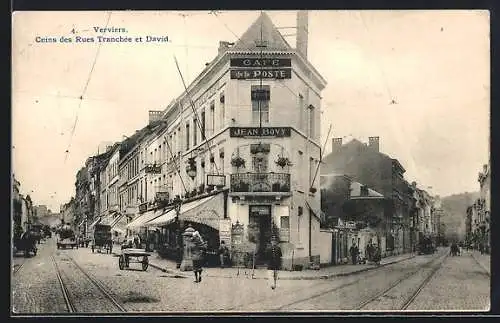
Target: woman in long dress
pixel 197 250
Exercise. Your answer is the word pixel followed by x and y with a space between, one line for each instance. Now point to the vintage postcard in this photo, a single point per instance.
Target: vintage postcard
pixel 250 161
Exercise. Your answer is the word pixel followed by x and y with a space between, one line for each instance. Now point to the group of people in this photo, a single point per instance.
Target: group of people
pixel 372 253
pixel 198 249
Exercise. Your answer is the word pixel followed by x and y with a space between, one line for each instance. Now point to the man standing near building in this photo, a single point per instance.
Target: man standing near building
pixel 354 253
pixel 274 265
pixel 223 253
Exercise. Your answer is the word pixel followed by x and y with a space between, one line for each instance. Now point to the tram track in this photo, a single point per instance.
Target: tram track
pixel 16 269
pixel 434 266
pixel 484 270
pixel 71 300
pixel 69 304
pixel 359 306
pixel 372 272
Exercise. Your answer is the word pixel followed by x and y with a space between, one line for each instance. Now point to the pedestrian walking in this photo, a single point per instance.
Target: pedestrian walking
pixel 223 253
pixel 197 250
pixel 354 253
pixel 274 262
pixel 369 251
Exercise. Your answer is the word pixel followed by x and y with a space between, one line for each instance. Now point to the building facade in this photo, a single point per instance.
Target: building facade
pixel 483 207
pixel 239 132
pixel 238 152
pixel 366 164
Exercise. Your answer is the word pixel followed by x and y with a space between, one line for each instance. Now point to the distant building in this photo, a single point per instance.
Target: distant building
pixel 40 211
pixel 483 206
pixel 355 212
pixel 365 163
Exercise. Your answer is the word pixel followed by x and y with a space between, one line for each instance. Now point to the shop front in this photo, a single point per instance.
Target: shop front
pixel 204 215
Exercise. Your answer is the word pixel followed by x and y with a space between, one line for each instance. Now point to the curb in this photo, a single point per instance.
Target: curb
pixel 488 271
pixel 298 277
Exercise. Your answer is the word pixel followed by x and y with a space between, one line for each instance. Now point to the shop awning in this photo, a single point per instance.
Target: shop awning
pixel 166 218
pixel 95 222
pixel 106 220
pixel 208 211
pixel 370 194
pixel 115 220
pixel 143 219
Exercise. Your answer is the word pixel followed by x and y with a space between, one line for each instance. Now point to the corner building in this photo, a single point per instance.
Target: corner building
pixel 248 131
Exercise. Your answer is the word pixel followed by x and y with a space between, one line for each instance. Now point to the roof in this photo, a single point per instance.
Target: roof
pixel 262 27
pixel 131 142
pixel 356 192
pixel 275 44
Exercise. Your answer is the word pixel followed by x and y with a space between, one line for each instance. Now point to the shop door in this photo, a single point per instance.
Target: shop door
pixel 260 220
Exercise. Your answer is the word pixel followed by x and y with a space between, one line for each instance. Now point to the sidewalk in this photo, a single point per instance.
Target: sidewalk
pixel 169 266
pixel 483 260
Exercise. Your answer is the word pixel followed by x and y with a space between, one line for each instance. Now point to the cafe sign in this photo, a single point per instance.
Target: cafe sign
pixel 261 62
pixel 259 132
pixel 249 68
pixel 251 74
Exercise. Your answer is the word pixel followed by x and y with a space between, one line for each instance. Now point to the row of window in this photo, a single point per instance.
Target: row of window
pixel 199 123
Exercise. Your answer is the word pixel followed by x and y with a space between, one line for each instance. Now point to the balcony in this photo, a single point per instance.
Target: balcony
pixel 260 184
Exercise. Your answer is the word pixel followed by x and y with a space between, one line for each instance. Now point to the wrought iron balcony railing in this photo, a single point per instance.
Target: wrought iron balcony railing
pixel 260 182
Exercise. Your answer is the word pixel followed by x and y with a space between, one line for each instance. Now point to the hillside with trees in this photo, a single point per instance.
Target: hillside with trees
pixel 455 210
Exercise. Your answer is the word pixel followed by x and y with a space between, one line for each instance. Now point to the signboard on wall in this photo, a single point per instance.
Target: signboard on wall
pixel 252 74
pixel 225 231
pixel 260 132
pixel 216 180
pixel 260 62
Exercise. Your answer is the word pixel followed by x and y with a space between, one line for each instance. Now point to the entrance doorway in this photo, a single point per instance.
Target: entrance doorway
pixel 260 224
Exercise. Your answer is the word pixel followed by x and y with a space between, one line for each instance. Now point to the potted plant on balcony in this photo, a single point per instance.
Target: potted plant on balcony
pixel 209 188
pixel 283 161
pixel 237 162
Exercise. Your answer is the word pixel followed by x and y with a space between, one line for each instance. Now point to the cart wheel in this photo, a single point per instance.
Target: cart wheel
pixel 121 262
pixel 145 263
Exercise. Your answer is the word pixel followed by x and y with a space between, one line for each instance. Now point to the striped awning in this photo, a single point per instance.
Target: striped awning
pixel 141 220
pixel 208 211
pixel 117 219
pixel 166 218
pixel 95 222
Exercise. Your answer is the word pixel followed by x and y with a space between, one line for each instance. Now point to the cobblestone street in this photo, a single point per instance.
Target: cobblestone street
pixel 94 283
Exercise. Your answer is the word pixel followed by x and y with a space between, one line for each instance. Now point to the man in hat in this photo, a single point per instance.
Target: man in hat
pixel 274 265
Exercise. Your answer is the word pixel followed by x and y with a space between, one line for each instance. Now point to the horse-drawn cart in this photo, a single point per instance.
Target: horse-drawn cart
pixel 130 255
pixel 102 238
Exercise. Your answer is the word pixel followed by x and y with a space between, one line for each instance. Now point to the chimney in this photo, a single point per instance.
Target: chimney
pixel 154 115
pixel 224 46
pixel 302 32
pixel 373 142
pixel 414 184
pixel 336 144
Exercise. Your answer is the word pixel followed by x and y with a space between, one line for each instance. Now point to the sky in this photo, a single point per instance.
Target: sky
pixel 417 79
